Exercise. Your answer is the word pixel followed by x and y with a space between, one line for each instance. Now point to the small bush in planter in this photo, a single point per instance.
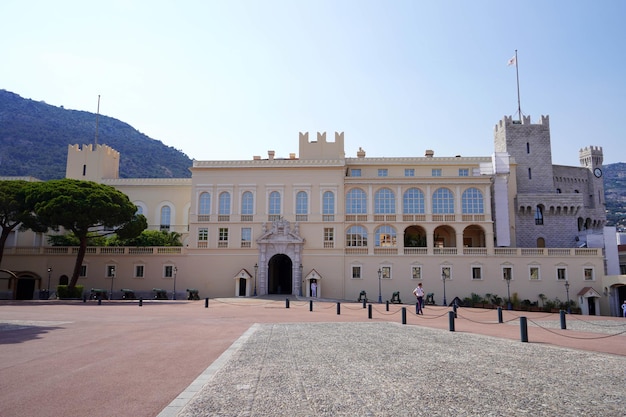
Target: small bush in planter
pixel 63 291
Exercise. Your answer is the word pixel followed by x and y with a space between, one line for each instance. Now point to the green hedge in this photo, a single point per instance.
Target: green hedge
pixel 63 291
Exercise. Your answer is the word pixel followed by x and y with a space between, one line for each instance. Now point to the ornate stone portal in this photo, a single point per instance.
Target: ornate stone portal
pixel 280 239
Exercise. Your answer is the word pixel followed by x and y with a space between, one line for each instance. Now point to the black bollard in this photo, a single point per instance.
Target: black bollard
pixel 387 305
pixel 84 298
pixel 451 320
pixel 338 308
pixel 310 305
pixel 99 301
pixel 499 314
pixel 403 315
pixel 286 302
pixel 454 306
pixel 206 302
pixel 523 328
pixel 364 301
pixel 140 301
pixel 563 324
pixel 369 311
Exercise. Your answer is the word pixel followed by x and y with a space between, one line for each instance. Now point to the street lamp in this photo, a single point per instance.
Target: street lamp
pixel 48 290
pixel 507 277
pixel 256 268
pixel 444 277
pixel 380 296
pixel 567 293
pixel 175 272
pixel 301 282
pixel 112 278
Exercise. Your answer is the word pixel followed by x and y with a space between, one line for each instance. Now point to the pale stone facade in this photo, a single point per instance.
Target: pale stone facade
pixel 273 225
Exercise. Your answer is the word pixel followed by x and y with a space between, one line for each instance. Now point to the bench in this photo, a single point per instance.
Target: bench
pixel 128 294
pixel 159 294
pixel 192 294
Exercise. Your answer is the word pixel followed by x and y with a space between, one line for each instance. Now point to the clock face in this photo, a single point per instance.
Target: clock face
pixel 597 172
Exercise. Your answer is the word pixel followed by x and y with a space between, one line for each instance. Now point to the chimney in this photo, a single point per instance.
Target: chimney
pixel 429 153
pixel 270 155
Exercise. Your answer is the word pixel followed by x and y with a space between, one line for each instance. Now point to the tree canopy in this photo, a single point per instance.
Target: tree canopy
pixel 85 208
pixel 14 210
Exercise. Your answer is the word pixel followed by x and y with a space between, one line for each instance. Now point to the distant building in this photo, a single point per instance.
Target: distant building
pixel 509 223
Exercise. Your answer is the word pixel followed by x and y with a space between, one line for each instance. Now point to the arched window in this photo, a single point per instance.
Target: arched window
pixel 539 215
pixel 472 201
pixel 443 201
pixel 204 204
pixel 247 203
pixel 356 202
pixel 139 210
pixel 356 236
pixel 274 203
pixel 224 203
pixel 384 201
pixel 385 237
pixel 413 201
pixel 328 203
pixel 166 213
pixel 302 203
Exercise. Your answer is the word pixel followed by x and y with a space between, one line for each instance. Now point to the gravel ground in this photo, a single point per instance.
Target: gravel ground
pixel 387 369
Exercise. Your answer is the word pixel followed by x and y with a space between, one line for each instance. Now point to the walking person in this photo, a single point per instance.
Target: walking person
pixel 419 294
pixel 624 309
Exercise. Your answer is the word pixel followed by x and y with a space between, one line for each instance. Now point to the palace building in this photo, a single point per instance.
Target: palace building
pixel 510 223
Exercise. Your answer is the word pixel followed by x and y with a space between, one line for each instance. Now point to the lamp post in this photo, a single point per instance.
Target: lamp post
pixel 444 277
pixel 507 277
pixel 48 290
pixel 175 272
pixel 256 268
pixel 380 295
pixel 112 278
pixel 301 282
pixel 567 293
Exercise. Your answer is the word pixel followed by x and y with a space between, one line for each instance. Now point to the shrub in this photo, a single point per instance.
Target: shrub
pixel 63 291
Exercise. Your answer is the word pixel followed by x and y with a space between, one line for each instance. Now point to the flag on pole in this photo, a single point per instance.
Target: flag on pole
pixel 512 61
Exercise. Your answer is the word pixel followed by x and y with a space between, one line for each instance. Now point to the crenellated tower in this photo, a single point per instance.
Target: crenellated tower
pixel 92 163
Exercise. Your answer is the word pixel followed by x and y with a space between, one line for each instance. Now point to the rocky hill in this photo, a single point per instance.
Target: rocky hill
pixel 34 137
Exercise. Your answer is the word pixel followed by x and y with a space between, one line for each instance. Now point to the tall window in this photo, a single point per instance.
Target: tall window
pixel 222 241
pixel 247 203
pixel 246 237
pixel 413 201
pixel 384 201
pixel 328 206
pixel 203 234
pixel 539 215
pixel 166 213
pixel 385 237
pixel 561 274
pixel 204 204
pixel 224 202
pixel 356 236
pixel 443 201
pixel 139 271
pixel 356 202
pixel 302 202
pixel 472 201
pixel 274 203
pixel 356 271
pixel 329 237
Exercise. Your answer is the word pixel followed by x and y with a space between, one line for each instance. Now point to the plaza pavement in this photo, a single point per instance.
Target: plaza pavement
pixel 60 358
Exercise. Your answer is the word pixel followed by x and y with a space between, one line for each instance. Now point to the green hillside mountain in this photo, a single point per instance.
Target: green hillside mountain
pixel 34 137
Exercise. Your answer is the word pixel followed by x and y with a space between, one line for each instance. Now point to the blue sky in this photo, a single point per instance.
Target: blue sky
pixel 232 79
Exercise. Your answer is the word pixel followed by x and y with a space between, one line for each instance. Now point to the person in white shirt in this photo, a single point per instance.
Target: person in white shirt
pixel 419 294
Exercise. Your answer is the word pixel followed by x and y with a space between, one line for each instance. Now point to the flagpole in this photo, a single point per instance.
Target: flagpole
pixel 519 104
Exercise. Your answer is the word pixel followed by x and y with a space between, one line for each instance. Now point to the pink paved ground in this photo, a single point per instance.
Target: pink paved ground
pixel 119 359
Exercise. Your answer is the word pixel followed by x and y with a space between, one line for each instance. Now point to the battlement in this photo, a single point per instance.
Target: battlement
pixel 509 121
pixel 591 156
pixel 321 148
pixel 106 149
pixel 92 163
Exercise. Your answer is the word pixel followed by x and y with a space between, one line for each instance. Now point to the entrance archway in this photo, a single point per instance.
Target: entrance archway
pixel 280 279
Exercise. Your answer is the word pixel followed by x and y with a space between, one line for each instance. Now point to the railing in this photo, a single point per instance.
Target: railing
pixel 474 251
pixel 246 217
pixel 223 217
pixel 329 244
pixel 356 251
pixel 328 217
pixel 204 218
pixel 416 251
pixel 246 244
pixel 444 251
pixel 302 217
pixel 385 251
